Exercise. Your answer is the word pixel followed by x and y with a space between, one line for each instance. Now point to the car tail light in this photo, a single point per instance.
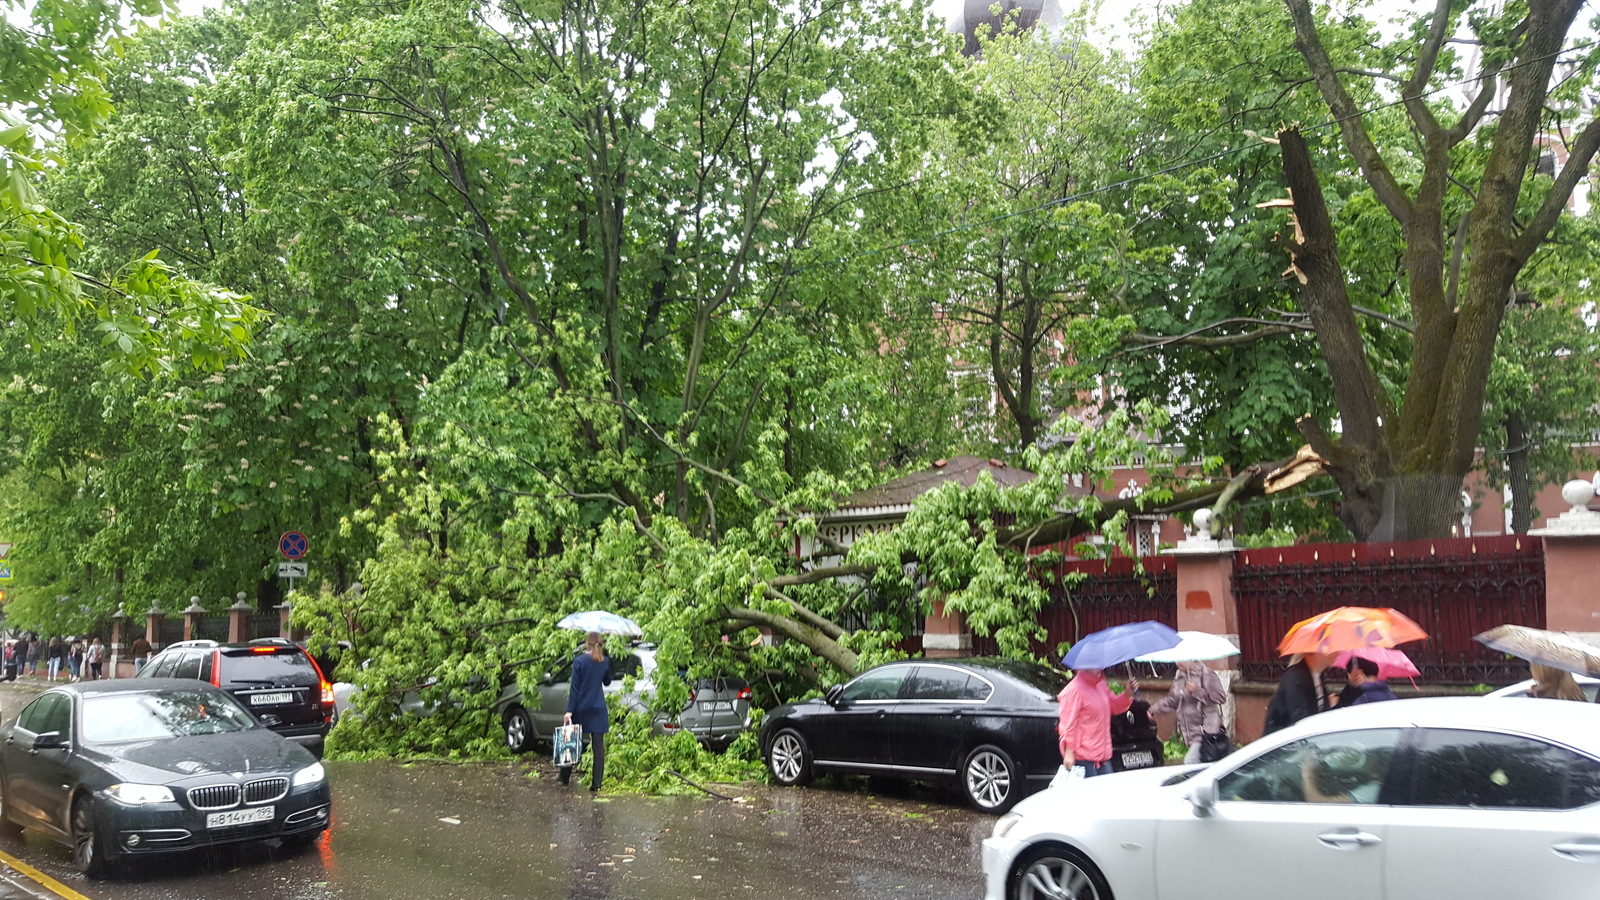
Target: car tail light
pixel 327 693
pixel 216 668
pixel 263 649
pixel 327 689
pixel 745 693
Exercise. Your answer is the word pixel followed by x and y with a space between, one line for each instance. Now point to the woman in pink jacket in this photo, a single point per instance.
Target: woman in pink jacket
pixel 1087 706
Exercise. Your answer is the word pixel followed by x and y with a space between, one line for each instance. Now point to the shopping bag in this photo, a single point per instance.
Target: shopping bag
pixel 1066 775
pixel 568 745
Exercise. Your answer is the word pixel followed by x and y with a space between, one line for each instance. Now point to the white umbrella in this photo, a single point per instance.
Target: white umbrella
pixel 1193 645
pixel 601 621
pixel 1552 648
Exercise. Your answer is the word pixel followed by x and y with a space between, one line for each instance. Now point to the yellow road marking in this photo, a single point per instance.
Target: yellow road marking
pixel 44 880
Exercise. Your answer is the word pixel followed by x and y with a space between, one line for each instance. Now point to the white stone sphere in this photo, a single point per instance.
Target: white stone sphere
pixel 1202 522
pixel 1577 492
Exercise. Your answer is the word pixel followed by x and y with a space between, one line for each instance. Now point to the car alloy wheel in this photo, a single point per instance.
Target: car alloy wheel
pixel 1056 873
pixel 990 779
pixel 788 759
pixel 519 730
pixel 88 851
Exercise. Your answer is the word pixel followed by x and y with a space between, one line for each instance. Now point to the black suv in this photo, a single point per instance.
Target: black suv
pixel 272 677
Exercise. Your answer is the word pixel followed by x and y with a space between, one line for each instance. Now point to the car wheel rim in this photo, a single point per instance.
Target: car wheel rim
pixel 516 732
pixel 83 837
pixel 1052 878
pixel 786 758
pixel 988 779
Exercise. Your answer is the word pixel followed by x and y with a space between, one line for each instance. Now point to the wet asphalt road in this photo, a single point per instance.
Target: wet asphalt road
pixel 436 831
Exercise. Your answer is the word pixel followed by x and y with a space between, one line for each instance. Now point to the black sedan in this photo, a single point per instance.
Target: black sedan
pixel 985 725
pixel 116 769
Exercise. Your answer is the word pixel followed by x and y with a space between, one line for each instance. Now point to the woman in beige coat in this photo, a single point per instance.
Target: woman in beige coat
pixel 1197 696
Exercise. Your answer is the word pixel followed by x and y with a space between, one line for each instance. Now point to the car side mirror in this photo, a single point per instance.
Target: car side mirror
pixel 833 694
pixel 49 740
pixel 1203 795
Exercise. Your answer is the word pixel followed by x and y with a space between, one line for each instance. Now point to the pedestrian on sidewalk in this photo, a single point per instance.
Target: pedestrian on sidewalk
pixel 54 654
pixel 95 656
pixel 11 652
pixel 1084 720
pixel 586 704
pixel 1301 693
pixel 1362 684
pixel 33 655
pixel 1196 696
pixel 140 651
pixel 75 657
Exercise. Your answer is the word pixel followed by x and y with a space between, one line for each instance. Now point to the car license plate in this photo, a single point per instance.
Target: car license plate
pixel 239 817
pixel 716 706
pixel 271 699
pixel 1138 759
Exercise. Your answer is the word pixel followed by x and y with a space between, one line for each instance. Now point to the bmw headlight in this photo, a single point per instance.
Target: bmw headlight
pixel 137 794
pixel 1006 823
pixel 309 775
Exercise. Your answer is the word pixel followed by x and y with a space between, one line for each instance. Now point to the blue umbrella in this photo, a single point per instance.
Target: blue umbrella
pixel 601 621
pixel 1120 643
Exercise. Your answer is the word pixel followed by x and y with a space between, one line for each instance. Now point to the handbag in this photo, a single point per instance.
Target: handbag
pixel 1214 746
pixel 568 743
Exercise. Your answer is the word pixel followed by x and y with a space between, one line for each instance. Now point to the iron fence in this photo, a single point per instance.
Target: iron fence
pixel 1453 588
pixel 171 630
pixel 264 625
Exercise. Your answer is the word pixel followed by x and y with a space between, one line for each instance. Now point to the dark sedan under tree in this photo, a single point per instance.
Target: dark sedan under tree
pixel 116 769
pixel 987 726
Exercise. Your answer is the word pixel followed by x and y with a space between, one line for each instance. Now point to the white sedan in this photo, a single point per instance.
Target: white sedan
pixel 1447 798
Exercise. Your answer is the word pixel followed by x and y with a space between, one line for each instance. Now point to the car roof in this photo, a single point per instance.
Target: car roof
pixel 127 686
pixel 1574 724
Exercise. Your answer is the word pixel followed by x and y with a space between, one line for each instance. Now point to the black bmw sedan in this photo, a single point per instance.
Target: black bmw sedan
pixel 985 725
pixel 130 767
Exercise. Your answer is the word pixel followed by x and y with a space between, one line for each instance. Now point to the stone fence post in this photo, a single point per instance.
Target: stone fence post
pixel 193 617
pixel 239 619
pixel 1572 565
pixel 1206 603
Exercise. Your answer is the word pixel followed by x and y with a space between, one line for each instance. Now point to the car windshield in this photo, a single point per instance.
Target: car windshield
pixel 154 716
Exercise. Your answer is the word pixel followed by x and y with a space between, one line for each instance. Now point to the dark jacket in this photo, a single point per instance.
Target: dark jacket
pixel 586 699
pixel 140 648
pixel 1372 690
pixel 1295 699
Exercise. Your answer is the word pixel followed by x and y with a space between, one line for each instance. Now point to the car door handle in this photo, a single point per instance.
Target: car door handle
pixel 1577 851
pixel 1348 840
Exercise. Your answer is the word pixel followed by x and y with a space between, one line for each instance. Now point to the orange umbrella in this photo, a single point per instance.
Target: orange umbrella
pixel 1350 628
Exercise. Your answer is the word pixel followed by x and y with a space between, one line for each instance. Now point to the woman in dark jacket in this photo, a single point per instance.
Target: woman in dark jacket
pixel 586 704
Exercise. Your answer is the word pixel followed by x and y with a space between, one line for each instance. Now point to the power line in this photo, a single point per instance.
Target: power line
pixel 1177 167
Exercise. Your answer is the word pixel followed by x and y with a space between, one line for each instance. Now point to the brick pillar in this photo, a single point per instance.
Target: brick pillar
pixel 152 626
pixel 1572 564
pixel 1206 602
pixel 945 633
pixel 192 619
pixel 239 620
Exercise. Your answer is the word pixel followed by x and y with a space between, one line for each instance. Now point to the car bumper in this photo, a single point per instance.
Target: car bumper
pixel 169 827
pixel 998 855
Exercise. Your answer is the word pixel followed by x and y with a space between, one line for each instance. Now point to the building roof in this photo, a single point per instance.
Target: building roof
pixel 896 497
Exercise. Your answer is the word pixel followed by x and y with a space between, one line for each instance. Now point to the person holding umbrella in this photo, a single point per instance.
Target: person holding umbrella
pixel 1196 696
pixel 1312 644
pixel 586 704
pixel 1363 683
pixel 1087 703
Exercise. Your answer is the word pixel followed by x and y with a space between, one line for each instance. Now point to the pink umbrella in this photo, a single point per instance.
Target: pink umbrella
pixel 1391 663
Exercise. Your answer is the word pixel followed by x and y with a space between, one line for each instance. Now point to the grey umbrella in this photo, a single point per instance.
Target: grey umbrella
pixel 1552 648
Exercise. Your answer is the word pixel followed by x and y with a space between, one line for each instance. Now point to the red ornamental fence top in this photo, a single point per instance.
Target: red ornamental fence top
pixel 1453 588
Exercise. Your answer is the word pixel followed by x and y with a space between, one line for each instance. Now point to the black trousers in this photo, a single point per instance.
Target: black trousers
pixel 598 743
